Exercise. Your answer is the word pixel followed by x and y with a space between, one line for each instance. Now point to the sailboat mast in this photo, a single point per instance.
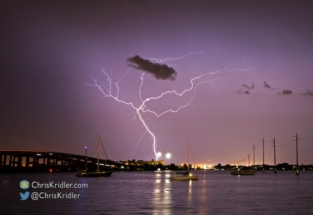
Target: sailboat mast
pixel 98 140
pixel 187 155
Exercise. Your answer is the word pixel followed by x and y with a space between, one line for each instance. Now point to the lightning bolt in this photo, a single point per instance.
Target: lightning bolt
pixel 113 86
pixel 138 141
pixel 158 60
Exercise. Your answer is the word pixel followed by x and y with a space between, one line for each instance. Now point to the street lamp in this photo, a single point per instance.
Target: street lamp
pixel 159 154
pixel 168 155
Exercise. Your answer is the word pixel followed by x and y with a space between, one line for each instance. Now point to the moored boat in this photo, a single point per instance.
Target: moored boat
pixel 243 172
pixel 97 173
pixel 93 174
pixel 184 176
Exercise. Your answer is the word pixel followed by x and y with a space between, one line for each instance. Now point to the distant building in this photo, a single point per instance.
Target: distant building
pixel 135 162
pixel 156 163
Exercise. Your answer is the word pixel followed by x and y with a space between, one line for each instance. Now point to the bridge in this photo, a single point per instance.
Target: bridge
pixel 49 161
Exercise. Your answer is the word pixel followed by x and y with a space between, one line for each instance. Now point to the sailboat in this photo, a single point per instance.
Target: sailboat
pixel 185 176
pixel 96 173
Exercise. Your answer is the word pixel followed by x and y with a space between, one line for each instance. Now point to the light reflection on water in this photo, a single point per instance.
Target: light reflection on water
pixel 216 192
pixel 162 199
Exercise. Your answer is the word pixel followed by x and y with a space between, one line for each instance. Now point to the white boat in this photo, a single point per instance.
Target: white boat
pixel 184 176
pixel 97 173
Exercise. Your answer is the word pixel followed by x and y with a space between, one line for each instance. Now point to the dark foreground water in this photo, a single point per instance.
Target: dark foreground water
pixel 216 192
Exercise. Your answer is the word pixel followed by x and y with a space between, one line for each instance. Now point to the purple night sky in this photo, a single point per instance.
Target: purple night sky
pixel 51 50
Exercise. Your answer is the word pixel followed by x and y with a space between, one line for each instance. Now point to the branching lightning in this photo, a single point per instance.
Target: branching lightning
pixel 142 108
pixel 158 60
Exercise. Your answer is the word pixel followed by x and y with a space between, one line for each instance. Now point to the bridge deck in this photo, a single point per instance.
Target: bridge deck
pixel 44 161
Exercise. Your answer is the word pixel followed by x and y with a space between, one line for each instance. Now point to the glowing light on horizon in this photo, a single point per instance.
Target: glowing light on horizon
pixel 159 154
pixel 113 91
pixel 168 155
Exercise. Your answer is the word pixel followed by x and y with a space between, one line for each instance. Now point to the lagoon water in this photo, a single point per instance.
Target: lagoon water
pixel 216 192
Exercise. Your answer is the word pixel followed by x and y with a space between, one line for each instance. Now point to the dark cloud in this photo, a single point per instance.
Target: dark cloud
pixel 247 87
pixel 285 92
pixel 267 86
pixel 243 92
pixel 308 93
pixel 159 71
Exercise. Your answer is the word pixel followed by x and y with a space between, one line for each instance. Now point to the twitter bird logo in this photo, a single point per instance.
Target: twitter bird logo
pixel 24 196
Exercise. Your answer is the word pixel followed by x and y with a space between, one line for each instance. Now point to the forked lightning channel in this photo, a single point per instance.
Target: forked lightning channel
pixel 142 108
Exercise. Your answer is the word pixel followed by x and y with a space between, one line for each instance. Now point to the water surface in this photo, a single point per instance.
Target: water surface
pixel 216 192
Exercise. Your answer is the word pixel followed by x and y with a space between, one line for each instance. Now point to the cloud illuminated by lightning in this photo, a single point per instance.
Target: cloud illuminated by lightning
pixel 142 108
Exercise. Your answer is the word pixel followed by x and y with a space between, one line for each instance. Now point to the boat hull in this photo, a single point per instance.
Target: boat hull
pixel 243 172
pixel 93 174
pixel 184 178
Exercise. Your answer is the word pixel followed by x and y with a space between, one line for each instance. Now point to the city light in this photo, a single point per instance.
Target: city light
pixel 168 155
pixel 159 154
